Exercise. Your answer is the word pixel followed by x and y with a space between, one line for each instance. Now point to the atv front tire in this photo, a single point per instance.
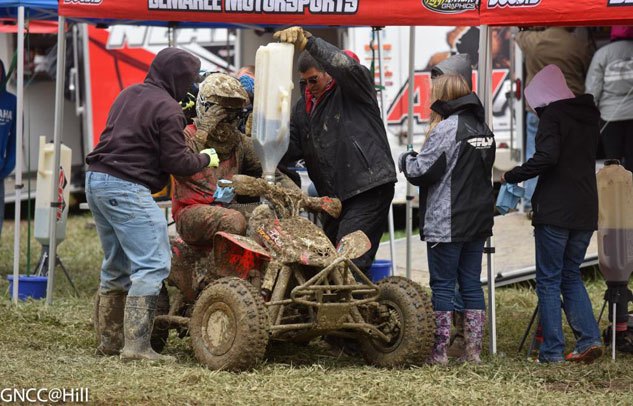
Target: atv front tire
pixel 229 325
pixel 410 324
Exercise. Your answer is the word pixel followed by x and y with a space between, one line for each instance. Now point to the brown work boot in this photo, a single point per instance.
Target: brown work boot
pixel 138 324
pixel 457 346
pixel 110 322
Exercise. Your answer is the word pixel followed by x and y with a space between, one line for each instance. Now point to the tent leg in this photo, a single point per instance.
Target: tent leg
pixel 18 155
pixel 410 190
pixel 59 111
pixel 392 238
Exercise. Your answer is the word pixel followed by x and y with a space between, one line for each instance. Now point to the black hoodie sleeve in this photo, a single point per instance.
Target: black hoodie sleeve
pixel 547 152
pixel 175 157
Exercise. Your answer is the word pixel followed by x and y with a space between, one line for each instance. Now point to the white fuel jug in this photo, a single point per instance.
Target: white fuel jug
pixel 271 105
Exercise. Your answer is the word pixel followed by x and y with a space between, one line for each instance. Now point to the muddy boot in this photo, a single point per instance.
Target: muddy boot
pixel 474 321
pixel 138 324
pixel 110 323
pixel 456 349
pixel 442 338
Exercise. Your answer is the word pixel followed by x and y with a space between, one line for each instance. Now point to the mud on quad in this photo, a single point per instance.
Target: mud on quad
pixel 286 281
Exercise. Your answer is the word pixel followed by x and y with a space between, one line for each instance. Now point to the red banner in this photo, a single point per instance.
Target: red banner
pixel 281 12
pixel 556 12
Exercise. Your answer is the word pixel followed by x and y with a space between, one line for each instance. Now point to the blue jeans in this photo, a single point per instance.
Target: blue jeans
pixel 532 121
pixel 133 234
pixel 456 262
pixel 559 253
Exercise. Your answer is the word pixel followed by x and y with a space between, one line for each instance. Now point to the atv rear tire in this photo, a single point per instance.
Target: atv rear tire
pixel 229 325
pixel 411 323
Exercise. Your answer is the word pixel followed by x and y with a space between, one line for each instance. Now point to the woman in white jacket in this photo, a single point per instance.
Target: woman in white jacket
pixel 610 81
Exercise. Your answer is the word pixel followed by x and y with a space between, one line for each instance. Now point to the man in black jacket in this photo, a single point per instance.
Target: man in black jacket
pixel 337 128
pixel 142 143
pixel 565 205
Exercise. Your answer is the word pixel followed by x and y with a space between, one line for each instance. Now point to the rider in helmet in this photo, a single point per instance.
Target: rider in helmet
pixel 197 213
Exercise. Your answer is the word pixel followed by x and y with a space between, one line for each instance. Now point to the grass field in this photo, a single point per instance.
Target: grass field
pixel 53 347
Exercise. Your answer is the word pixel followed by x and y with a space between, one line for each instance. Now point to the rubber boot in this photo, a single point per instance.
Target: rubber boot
pixel 110 323
pixel 442 338
pixel 456 348
pixel 138 324
pixel 474 321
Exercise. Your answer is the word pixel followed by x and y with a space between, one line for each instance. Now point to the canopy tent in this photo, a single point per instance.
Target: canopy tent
pixel 278 12
pixel 556 12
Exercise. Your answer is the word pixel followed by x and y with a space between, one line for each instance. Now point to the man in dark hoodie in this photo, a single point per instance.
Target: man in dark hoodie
pixel 565 205
pixel 337 128
pixel 140 146
pixel 7 136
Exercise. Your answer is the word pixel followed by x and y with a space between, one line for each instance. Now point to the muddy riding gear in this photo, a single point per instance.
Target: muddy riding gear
pixel 293 35
pixel 138 324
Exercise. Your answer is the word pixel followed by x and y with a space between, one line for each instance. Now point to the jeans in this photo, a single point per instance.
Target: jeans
pixel 532 121
pixel 559 253
pixel 454 262
pixel 133 234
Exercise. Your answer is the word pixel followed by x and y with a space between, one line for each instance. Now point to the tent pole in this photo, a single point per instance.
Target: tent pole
pixel 18 154
pixel 410 191
pixel 392 238
pixel 59 111
pixel 484 86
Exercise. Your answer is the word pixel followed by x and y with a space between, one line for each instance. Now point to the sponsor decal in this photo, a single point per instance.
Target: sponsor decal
pixel 259 6
pixel 86 2
pixel 450 6
pixel 512 3
pixel 617 3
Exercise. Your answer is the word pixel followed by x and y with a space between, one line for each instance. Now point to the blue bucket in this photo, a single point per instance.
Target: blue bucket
pixel 29 286
pixel 380 269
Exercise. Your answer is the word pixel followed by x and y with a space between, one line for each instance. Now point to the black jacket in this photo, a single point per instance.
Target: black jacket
pixel 565 162
pixel 343 141
pixel 454 172
pixel 143 139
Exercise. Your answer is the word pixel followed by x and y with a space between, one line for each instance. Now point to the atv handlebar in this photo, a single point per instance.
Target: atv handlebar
pixel 287 202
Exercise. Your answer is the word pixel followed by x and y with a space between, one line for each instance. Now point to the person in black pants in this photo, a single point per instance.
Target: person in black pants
pixel 336 127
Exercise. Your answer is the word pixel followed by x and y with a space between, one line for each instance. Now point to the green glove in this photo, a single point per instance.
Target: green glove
pixel 214 160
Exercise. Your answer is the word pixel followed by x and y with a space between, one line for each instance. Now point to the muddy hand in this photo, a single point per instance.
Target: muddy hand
pixel 293 35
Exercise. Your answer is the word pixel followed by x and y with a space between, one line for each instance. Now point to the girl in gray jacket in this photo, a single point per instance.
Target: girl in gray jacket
pixel 454 170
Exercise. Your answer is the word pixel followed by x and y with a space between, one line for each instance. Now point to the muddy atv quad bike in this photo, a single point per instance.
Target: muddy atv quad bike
pixel 285 281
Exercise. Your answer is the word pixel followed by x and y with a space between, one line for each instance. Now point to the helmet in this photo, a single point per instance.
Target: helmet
pixel 221 89
pixel 188 103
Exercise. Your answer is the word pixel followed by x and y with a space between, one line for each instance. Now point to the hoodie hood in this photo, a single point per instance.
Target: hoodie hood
pixel 455 65
pixel 174 70
pixel 546 87
pixel 469 102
